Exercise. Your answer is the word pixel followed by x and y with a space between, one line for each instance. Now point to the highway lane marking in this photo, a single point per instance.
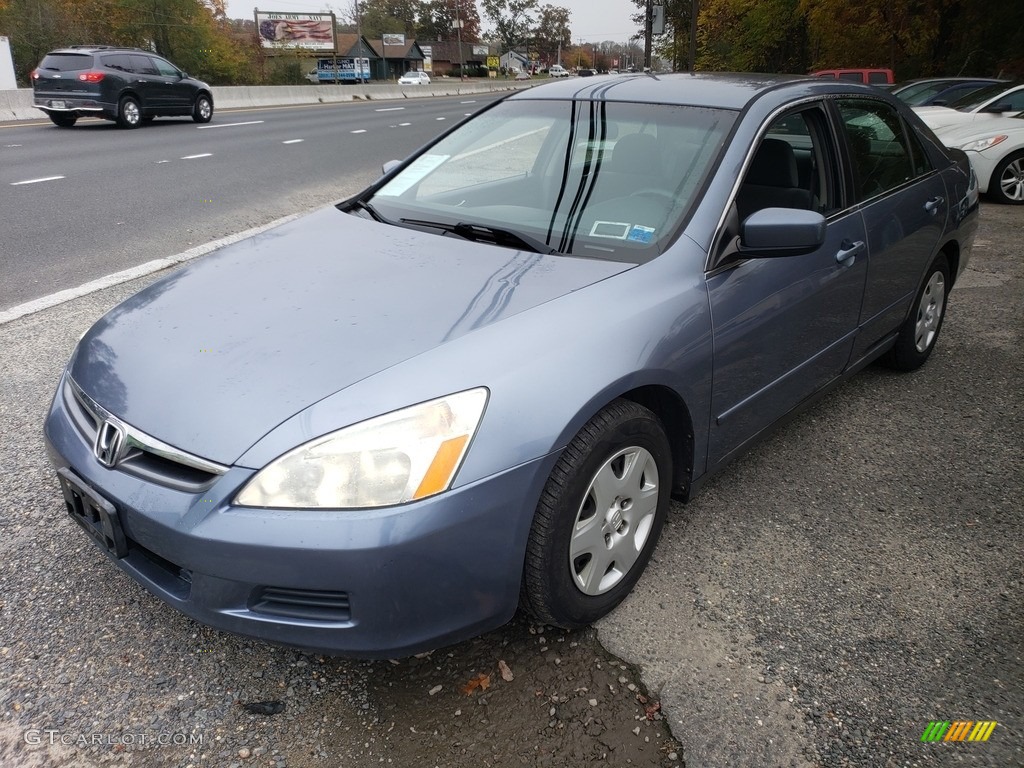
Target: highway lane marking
pixel 390 109
pixel 361 130
pixel 467 102
pixel 231 125
pixel 35 181
pixel 158 162
pixel 8 146
pixel 196 157
pixel 293 141
pixel 403 125
pixel 440 118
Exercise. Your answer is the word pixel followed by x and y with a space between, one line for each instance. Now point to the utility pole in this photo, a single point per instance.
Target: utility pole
pixel 458 27
pixel 694 10
pixel 648 33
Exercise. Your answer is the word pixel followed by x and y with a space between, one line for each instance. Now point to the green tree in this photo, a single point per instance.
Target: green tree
pixel 513 20
pixel 438 17
pixel 380 17
pixel 552 30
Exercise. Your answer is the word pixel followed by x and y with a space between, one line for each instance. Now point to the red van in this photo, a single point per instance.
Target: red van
pixel 870 76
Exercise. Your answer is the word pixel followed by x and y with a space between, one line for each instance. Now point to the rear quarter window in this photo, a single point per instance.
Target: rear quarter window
pixel 117 61
pixel 66 62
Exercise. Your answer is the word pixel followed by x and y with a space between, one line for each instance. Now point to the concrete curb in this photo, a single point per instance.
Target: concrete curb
pixel 17 105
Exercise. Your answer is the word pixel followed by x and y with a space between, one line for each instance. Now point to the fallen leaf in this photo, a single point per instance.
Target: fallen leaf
pixel 481 681
pixel 506 673
pixel 652 709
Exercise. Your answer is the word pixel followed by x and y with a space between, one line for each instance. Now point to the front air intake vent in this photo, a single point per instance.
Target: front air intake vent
pixel 305 604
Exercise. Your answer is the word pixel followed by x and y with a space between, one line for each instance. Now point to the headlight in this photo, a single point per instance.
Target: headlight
pixel 391 459
pixel 979 145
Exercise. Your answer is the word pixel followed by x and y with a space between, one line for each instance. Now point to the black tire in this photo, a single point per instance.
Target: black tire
pixel 1007 183
pixel 564 585
pixel 129 113
pixel 202 110
pixel 62 120
pixel 920 330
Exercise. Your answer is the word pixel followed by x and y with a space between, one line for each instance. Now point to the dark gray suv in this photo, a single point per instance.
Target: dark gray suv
pixel 128 85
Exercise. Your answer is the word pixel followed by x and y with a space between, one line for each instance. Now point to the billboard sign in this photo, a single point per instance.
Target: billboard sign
pixel 343 70
pixel 393 40
pixel 480 50
pixel 306 31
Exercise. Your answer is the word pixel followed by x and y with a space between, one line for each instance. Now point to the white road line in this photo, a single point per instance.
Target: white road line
pixel 293 141
pixel 403 125
pixel 361 130
pixel 230 125
pixel 390 109
pixel 196 157
pixel 61 297
pixel 35 181
pixel 440 118
pixel 8 146
pixel 467 102
pixel 160 162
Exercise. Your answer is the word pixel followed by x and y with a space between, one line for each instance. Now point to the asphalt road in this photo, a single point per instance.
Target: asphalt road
pixel 86 202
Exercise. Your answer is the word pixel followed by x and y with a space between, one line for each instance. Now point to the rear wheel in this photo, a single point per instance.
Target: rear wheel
pixel 202 110
pixel 129 114
pixel 599 517
pixel 1007 184
pixel 920 331
pixel 63 120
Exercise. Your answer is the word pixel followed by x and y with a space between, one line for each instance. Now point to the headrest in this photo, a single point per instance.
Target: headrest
pixel 774 165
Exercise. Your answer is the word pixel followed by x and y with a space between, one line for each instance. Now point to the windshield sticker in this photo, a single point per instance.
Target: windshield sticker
pixel 418 170
pixel 640 234
pixel 616 230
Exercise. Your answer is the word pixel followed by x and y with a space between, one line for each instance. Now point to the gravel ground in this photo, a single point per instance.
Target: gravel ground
pixel 851 579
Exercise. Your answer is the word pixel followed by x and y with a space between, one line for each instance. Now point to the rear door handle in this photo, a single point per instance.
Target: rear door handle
pixel 848 251
pixel 932 206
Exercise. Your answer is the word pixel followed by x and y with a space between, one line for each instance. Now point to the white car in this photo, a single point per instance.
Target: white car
pixel 996 150
pixel 313 76
pixel 556 70
pixel 414 78
pixel 985 104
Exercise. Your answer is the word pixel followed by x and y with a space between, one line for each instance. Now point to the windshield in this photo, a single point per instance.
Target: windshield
pixel 600 179
pixel 974 100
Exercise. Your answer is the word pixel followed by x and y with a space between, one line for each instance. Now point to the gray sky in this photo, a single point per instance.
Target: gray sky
pixel 592 20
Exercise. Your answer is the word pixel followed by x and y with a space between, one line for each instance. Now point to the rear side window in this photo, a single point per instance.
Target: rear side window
pixel 883 155
pixel 119 61
pixel 66 62
pixel 855 77
pixel 877 77
pixel 143 65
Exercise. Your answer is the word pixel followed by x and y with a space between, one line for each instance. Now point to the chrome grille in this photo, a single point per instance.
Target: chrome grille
pixel 135 452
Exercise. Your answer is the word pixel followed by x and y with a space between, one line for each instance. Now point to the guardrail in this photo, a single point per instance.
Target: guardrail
pixel 17 105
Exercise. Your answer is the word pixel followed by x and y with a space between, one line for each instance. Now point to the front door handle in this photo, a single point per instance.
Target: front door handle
pixel 848 251
pixel 932 206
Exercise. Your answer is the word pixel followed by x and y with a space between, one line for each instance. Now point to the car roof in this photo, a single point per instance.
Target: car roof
pixel 715 90
pixel 99 49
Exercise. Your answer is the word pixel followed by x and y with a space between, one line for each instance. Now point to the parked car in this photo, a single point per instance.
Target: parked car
pixel 520 75
pixel 414 78
pixel 127 85
pixel 475 385
pixel 996 150
pixel 869 76
pixel 939 91
pixel 586 72
pixel 313 76
pixel 557 70
pixel 984 104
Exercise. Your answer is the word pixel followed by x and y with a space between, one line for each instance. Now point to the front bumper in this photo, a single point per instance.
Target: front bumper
pixel 378 583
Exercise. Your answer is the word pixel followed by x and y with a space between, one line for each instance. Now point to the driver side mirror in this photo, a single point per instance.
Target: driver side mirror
pixel 998 108
pixel 773 232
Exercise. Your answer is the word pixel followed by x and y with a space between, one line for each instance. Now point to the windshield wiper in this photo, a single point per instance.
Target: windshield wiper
pixel 487 234
pixel 364 206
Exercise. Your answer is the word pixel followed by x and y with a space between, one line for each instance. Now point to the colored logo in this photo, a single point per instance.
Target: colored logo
pixel 959 730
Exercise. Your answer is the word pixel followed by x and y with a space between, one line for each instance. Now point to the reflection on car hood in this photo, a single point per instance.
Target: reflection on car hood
pixel 214 356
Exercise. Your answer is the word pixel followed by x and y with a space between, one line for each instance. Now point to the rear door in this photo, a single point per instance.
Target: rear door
pixel 146 82
pixel 904 205
pixel 57 77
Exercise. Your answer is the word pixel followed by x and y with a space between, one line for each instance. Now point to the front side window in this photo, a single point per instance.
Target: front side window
pixel 598 179
pixel 164 68
pixel 880 149
pixel 142 65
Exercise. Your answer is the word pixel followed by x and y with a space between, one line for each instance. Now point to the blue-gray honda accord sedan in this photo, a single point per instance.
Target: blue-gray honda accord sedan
pixel 476 386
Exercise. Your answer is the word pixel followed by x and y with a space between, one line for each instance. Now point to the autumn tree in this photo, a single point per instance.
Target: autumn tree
pixel 380 17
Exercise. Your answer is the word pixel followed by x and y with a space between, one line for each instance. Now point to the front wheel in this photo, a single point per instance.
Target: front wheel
pixel 62 120
pixel 129 114
pixel 599 517
pixel 920 331
pixel 1007 184
pixel 202 110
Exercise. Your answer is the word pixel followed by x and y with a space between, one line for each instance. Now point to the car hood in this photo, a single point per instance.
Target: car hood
pixel 955 135
pixel 214 356
pixel 939 117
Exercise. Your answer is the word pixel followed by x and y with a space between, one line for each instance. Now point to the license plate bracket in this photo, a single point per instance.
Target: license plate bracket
pixel 57 104
pixel 95 514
